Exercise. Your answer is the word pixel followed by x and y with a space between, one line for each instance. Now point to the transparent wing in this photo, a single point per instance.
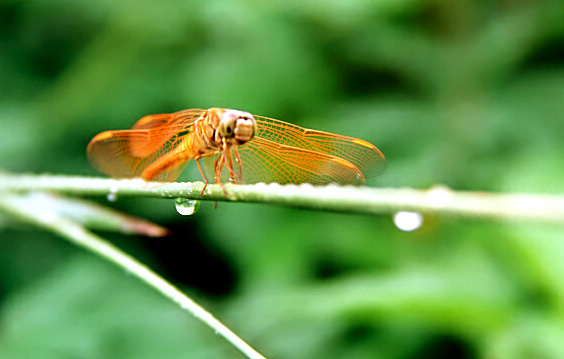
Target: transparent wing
pixel 266 161
pixel 129 153
pixel 362 154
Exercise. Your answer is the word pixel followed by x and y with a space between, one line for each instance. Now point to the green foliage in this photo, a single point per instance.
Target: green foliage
pixel 464 93
pixel 55 318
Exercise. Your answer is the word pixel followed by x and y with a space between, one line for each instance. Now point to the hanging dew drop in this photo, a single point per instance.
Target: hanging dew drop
pixel 186 207
pixel 112 196
pixel 408 221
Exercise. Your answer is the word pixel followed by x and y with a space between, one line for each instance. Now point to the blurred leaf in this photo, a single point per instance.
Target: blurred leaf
pixel 89 214
pixel 88 309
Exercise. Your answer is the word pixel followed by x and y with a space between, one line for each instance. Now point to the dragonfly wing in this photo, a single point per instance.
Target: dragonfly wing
pixel 158 129
pixel 365 156
pixel 266 161
pixel 109 153
pixel 128 153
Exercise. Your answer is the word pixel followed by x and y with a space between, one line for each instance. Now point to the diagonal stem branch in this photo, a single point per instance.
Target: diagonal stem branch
pixel 363 200
pixel 75 233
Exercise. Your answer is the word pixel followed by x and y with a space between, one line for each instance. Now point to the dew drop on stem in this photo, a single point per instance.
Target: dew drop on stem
pixel 112 196
pixel 186 207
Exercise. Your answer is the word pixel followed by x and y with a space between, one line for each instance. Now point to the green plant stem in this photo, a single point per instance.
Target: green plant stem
pixel 76 234
pixel 364 200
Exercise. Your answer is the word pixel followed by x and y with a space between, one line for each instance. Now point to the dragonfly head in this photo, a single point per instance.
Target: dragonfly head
pixel 237 127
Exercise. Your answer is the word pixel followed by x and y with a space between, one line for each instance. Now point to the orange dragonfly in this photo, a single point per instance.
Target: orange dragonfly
pixel 237 147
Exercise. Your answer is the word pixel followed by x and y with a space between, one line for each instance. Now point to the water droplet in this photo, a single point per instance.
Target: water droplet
pixel 408 221
pixel 186 207
pixel 112 196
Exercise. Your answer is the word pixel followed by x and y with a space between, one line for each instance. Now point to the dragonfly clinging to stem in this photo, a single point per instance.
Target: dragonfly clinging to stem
pixel 236 146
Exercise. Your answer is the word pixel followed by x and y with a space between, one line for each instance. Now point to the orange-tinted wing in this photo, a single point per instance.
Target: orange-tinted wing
pixel 128 153
pixel 267 161
pixel 364 155
pixel 158 129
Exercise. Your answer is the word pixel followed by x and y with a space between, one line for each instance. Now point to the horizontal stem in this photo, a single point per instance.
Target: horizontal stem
pixel 437 200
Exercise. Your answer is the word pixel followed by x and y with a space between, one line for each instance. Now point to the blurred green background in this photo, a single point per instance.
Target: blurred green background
pixel 469 94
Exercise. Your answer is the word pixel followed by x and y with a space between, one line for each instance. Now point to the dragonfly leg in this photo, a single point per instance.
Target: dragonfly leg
pixel 229 164
pixel 218 165
pixel 238 160
pixel 203 176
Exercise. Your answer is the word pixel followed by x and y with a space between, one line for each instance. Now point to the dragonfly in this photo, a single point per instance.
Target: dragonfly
pixel 236 147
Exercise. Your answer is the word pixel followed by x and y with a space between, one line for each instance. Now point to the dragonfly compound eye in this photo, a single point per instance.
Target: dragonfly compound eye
pixel 237 125
pixel 226 127
pixel 245 129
